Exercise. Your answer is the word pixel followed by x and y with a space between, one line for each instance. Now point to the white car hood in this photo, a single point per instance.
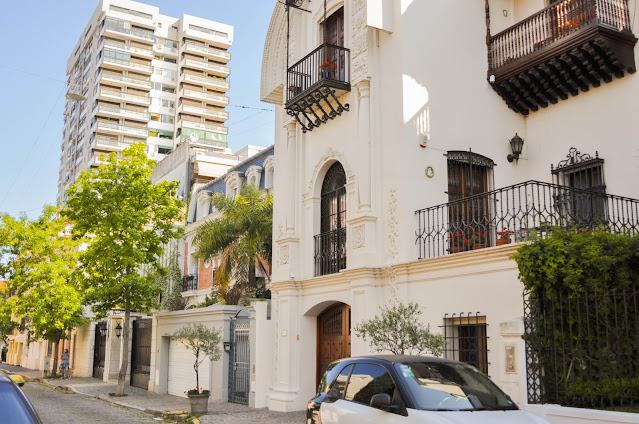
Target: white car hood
pixel 477 417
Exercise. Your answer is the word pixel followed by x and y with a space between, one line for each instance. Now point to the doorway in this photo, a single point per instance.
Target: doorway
pixel 334 336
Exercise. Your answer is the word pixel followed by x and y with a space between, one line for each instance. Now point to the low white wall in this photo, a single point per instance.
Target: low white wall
pixel 563 415
pixel 262 345
pixel 166 323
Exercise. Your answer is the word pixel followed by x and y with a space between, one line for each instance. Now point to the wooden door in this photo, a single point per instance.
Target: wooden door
pixel 334 336
pixel 335 36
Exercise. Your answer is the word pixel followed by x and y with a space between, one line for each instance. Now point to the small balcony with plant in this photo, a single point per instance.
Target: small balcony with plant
pixel 315 84
pixel 560 51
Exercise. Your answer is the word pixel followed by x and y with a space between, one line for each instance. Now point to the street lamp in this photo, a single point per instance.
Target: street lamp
pixel 118 330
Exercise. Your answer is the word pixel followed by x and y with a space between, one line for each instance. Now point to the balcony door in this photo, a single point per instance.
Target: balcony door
pixel 335 35
pixel 330 244
pixel 469 212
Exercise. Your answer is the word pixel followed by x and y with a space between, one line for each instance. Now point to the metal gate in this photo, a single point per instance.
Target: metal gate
pixel 99 349
pixel 141 353
pixel 239 361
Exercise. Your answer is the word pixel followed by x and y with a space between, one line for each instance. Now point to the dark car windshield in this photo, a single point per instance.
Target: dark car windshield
pixel 445 386
pixel 13 408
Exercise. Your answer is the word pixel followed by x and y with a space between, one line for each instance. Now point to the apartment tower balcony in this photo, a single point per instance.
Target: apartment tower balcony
pixel 561 50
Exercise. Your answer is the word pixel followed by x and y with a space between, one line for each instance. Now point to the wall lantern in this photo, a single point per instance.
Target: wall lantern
pixel 516 145
pixel 103 331
pixel 118 330
pixel 227 347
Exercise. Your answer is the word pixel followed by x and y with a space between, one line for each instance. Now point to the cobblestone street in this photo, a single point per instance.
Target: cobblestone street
pixel 60 407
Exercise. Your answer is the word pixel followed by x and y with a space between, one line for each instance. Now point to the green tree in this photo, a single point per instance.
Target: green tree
pixel 241 238
pixel 204 342
pixel 398 329
pixel 39 261
pixel 170 280
pixel 129 221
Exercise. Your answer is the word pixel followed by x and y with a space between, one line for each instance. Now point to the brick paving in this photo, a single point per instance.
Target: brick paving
pixel 153 403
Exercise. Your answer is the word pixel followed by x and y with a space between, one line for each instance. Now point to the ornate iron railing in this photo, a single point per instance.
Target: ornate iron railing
pixel 189 282
pixel 583 350
pixel 330 252
pixel 555 23
pixel 512 214
pixel 328 62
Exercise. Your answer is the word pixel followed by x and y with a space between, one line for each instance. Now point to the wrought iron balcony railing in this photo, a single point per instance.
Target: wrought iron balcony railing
pixel 563 49
pixel 330 252
pixel 189 282
pixel 314 84
pixel 512 214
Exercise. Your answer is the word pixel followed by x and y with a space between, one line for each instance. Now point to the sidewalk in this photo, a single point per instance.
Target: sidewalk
pixel 153 403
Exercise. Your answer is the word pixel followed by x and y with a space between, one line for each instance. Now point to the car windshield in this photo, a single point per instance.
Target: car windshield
pixel 442 386
pixel 12 407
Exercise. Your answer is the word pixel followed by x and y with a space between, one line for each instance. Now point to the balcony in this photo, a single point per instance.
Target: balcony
pixel 220 115
pixel 107 94
pixel 515 213
pixel 315 84
pixel 122 80
pixel 214 99
pixel 202 142
pixel 221 70
pixel 115 128
pixel 561 50
pixel 105 143
pixel 130 33
pixel 126 65
pixel 210 82
pixel 189 282
pixel 122 113
pixel 330 252
pixel 122 46
pixel 219 55
pixel 206 127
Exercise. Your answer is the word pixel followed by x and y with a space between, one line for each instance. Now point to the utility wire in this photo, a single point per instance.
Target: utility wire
pixel 15 178
pixel 248 117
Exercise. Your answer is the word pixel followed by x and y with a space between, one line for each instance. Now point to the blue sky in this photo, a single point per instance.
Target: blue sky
pixel 37 38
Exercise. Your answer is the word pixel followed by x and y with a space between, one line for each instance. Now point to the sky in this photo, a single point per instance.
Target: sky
pixel 38 37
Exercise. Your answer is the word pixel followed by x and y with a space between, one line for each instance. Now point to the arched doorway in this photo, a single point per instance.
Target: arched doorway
pixel 330 244
pixel 333 336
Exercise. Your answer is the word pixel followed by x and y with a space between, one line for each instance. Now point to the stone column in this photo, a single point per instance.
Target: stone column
pixel 291 157
pixel 364 143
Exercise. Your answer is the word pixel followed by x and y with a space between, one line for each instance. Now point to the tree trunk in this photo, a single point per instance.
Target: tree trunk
pixel 124 353
pixel 56 354
pixel 252 279
pixel 197 369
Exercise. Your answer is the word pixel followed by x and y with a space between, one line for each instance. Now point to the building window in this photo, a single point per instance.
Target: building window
pixel 330 244
pixel 584 202
pixel 467 340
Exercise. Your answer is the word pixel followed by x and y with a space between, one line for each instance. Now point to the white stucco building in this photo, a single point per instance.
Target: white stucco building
pixel 404 105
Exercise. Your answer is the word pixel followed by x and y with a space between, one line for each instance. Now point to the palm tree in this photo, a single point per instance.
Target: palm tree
pixel 241 238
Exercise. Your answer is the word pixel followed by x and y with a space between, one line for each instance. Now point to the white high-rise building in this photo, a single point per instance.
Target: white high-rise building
pixel 138 76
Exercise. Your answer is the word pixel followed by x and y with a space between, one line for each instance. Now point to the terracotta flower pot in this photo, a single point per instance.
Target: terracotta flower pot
pixel 502 241
pixel 199 403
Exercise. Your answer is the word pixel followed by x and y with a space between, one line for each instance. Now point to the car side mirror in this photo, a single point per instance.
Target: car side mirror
pixel 383 401
pixel 333 395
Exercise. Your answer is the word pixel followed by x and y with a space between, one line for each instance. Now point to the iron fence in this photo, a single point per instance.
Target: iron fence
pixel 515 213
pixel 328 62
pixel 189 282
pixel 583 350
pixel 330 252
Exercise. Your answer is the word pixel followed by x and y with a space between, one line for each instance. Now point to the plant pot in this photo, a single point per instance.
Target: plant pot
pixel 502 241
pixel 479 246
pixel 199 403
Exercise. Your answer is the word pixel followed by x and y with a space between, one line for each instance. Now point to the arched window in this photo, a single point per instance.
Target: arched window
pixel 330 244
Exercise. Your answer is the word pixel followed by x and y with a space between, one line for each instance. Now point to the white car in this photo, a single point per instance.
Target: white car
pixel 411 390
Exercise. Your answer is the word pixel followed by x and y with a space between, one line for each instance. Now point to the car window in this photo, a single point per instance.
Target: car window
pixel 341 380
pixel 327 378
pixel 368 380
pixel 12 407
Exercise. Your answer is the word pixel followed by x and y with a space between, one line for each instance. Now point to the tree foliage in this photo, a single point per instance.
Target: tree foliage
pixel 169 278
pixel 128 220
pixel 203 342
pixel 582 292
pixel 398 329
pixel 242 240
pixel 39 259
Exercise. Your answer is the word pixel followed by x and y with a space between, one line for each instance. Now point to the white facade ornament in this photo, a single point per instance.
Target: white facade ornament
pixel 284 255
pixel 359 236
pixel 274 58
pixel 391 274
pixel 330 154
pixel 393 231
pixel 359 47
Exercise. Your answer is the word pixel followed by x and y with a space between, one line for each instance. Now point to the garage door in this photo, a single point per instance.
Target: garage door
pixel 181 373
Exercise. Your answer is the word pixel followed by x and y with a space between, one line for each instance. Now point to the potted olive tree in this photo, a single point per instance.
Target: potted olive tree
pixel 204 342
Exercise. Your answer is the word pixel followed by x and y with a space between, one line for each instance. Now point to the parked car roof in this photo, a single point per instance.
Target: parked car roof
pixel 394 359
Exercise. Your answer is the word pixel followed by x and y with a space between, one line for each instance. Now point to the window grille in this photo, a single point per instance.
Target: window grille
pixel 466 339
